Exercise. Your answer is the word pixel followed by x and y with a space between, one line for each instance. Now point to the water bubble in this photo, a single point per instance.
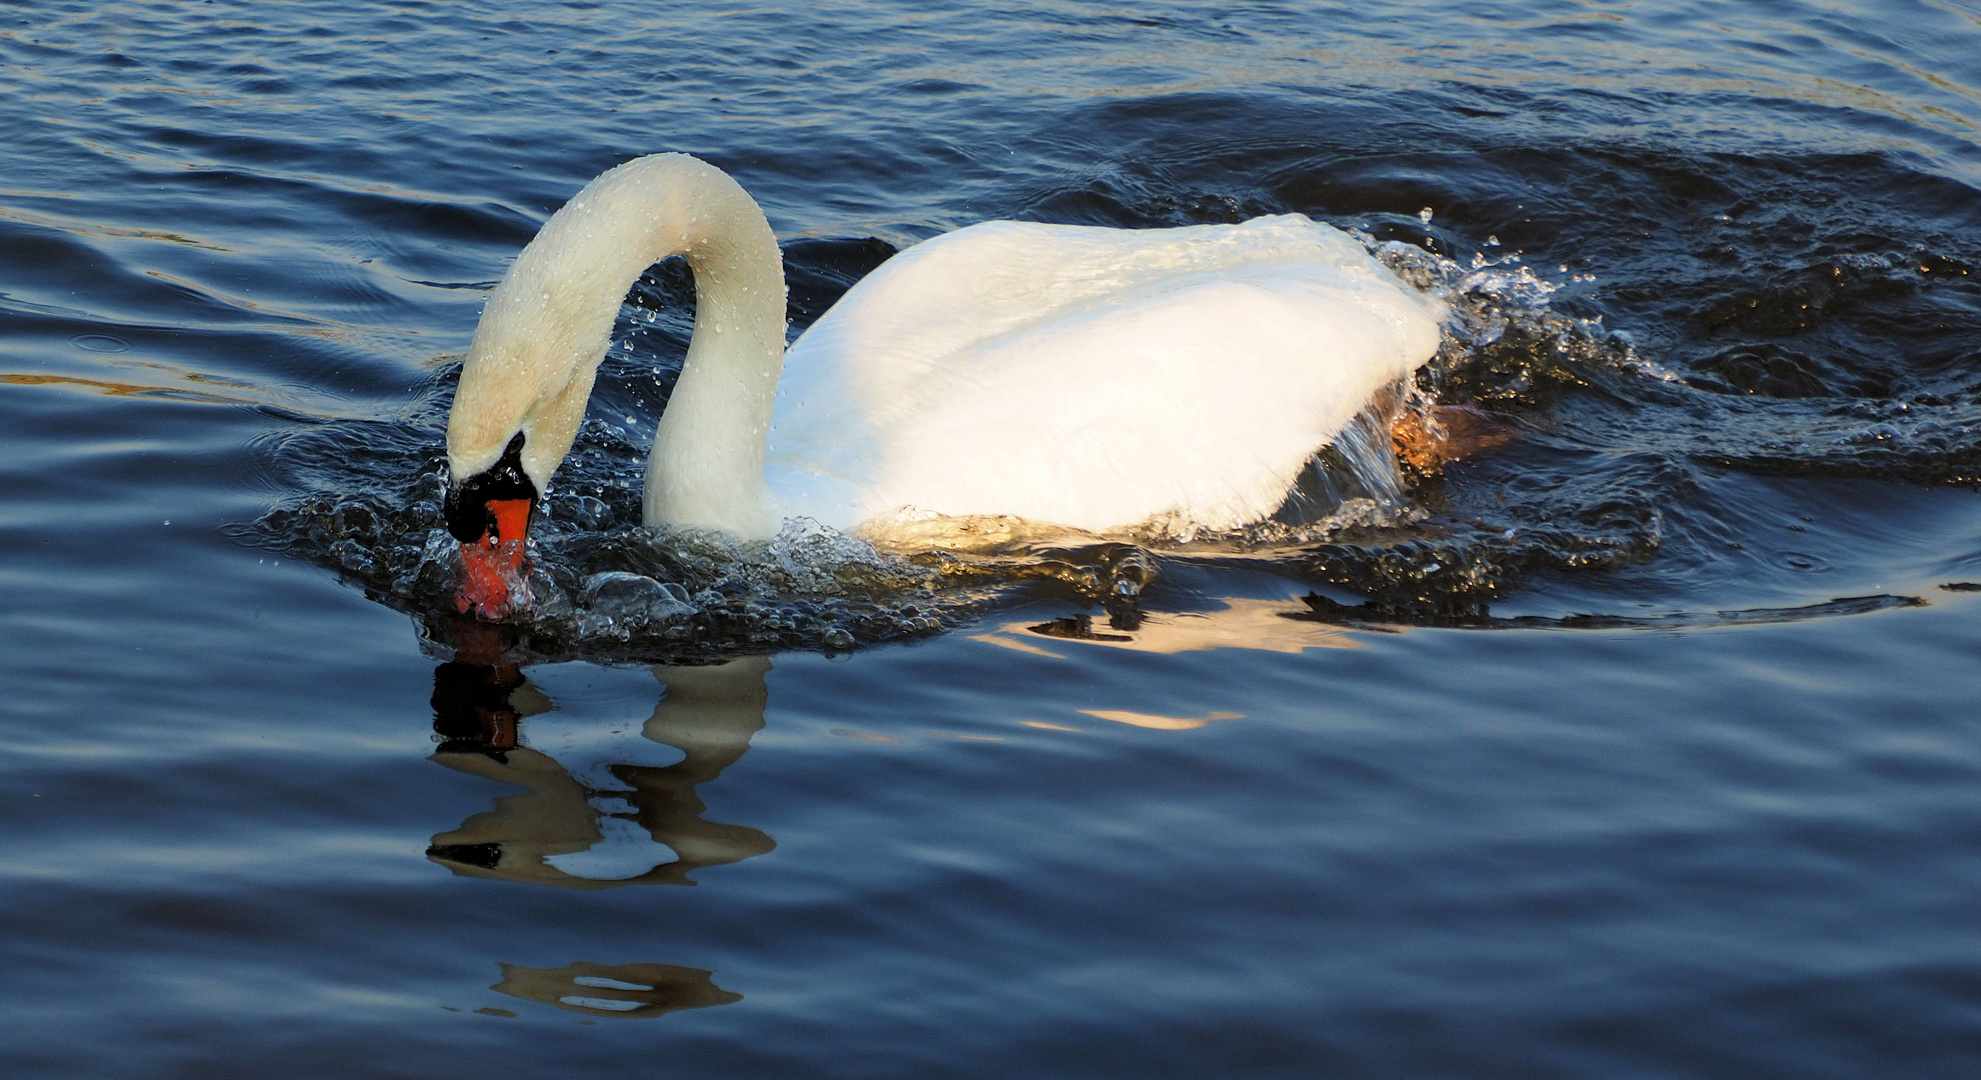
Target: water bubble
pixel 635 600
pixel 101 343
pixel 353 557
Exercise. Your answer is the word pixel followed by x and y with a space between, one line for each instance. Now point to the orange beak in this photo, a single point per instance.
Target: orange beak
pixel 492 567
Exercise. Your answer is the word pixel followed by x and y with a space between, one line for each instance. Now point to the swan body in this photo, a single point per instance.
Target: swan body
pixel 1088 377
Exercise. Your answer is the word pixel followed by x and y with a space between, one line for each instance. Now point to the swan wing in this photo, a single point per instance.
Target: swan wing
pixel 1094 377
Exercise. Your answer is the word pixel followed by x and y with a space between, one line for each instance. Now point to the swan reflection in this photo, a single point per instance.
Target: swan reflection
pixel 616 990
pixel 613 823
pixel 1242 623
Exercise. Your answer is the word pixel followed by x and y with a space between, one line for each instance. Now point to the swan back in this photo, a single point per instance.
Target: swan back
pixel 1093 377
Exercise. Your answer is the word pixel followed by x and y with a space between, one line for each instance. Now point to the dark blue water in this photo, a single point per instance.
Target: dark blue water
pixel 1641 746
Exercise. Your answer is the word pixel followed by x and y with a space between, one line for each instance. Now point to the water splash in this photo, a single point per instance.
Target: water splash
pixel 1607 441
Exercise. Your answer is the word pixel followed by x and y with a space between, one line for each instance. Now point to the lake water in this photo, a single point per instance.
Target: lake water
pixel 1642 746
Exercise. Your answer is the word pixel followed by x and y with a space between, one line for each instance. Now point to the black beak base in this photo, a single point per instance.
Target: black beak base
pixel 468 518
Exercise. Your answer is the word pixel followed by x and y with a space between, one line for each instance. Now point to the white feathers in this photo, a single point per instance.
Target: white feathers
pixel 1094 377
pixel 1088 377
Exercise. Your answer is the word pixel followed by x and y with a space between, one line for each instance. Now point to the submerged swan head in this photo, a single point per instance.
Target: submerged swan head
pixel 1087 377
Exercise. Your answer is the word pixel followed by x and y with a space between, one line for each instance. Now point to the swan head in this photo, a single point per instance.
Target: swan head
pixel 528 374
pixel 489 513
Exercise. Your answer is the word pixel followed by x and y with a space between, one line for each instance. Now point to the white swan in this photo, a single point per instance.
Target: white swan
pixel 1087 377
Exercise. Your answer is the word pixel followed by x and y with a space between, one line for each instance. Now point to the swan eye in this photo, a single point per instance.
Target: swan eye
pixel 468 515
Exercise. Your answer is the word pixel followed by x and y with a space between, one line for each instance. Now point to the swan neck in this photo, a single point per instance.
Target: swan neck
pixel 707 463
pixel 545 331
